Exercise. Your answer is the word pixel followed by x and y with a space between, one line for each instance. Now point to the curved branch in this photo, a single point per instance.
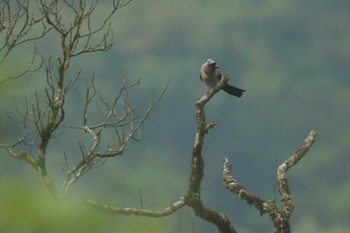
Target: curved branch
pixel 234 186
pixel 279 217
pixel 293 159
pixel 286 199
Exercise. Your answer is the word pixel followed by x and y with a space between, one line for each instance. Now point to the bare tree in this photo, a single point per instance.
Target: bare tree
pixel 42 120
pixel 279 216
pixel 45 118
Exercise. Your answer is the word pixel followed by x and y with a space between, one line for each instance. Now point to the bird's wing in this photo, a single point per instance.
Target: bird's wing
pixel 219 76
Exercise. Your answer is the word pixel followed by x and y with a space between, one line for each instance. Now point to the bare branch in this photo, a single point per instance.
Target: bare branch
pixel 72 35
pixel 17 22
pixel 132 211
pixel 78 36
pixel 30 68
pixel 126 124
pixel 286 165
pixel 231 184
pixel 141 200
pixel 279 217
pixel 286 199
pixel 193 197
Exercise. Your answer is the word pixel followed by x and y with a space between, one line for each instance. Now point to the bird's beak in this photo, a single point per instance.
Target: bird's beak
pixel 217 67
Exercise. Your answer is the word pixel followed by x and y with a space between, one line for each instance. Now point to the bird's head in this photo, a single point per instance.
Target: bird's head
pixel 212 64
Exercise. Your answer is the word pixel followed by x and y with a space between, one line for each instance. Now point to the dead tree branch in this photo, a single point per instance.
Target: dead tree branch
pixel 231 184
pixel 72 22
pixel 41 121
pixel 279 216
pixel 132 211
pixel 193 197
pixel 125 122
pixel 19 25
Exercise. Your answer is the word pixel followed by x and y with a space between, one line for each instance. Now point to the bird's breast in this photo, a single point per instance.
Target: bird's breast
pixel 210 79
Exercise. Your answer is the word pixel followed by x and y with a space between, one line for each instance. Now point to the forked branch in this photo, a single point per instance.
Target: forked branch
pixel 193 197
pixel 279 216
pixel 72 22
pixel 119 117
pixel 19 25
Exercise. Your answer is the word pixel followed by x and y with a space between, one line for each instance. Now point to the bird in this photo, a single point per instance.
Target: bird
pixel 210 75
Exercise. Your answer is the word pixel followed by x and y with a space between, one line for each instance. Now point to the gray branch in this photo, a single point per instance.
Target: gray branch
pixel 132 211
pixel 279 217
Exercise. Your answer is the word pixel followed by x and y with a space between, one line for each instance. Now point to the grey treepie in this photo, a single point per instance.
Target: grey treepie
pixel 210 75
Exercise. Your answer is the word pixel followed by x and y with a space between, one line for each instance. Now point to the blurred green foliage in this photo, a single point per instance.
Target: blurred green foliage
pixel 25 208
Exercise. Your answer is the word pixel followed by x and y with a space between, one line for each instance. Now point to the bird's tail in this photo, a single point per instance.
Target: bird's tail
pixel 233 90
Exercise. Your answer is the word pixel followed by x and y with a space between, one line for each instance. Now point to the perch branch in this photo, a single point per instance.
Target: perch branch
pixel 193 197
